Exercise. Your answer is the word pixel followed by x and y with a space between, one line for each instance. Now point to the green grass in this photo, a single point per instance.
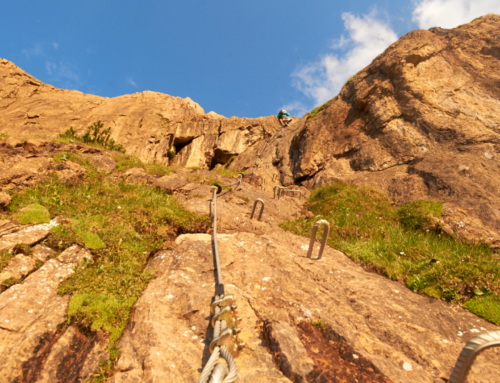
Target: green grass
pixel 3 136
pixel 487 307
pixel 351 79
pixel 318 323
pixel 315 112
pixel 122 224
pixel 125 162
pixel 404 244
pixel 32 214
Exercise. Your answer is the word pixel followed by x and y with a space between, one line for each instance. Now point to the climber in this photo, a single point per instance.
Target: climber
pixel 284 117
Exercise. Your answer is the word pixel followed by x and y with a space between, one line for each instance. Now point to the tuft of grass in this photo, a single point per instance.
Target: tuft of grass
pixel 318 323
pixel 32 214
pixel 399 243
pixel 3 136
pixel 132 221
pixel 95 136
pixel 315 112
pixel 125 162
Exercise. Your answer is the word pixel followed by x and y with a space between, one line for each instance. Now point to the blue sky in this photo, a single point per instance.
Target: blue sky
pixel 233 57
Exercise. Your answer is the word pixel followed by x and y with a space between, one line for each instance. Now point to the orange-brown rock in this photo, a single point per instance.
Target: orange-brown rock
pixel 422 121
pixel 149 125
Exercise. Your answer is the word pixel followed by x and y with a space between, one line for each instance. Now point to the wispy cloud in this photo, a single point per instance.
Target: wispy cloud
pixel 36 50
pixel 63 72
pixel 131 81
pixel 451 13
pixel 368 37
pixel 55 45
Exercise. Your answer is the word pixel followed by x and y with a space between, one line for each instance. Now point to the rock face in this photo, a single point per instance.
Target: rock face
pixel 149 125
pixel 421 122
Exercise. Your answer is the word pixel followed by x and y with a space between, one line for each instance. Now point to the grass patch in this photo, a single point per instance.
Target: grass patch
pixel 404 244
pixel 3 136
pixel 95 136
pixel 122 224
pixel 487 307
pixel 315 112
pixel 32 214
pixel 351 79
pixel 125 162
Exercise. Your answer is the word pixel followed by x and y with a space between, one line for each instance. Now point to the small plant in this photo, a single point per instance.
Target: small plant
pixel 5 259
pixel 96 135
pixel 3 136
pixel 318 323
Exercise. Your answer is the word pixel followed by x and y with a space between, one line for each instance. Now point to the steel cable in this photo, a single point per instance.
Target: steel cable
pixel 219 326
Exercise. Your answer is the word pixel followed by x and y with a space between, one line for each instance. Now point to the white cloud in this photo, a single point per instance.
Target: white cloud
pixel 37 50
pixel 62 71
pixel 131 81
pixel 55 45
pixel 296 108
pixel 451 13
pixel 323 79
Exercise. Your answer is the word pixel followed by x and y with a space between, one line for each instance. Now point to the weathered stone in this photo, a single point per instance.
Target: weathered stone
pixel 293 358
pixel 41 253
pixel 27 236
pixel 18 267
pixel 367 316
pixel 32 311
pixel 4 199
pixel 169 183
pixel 102 162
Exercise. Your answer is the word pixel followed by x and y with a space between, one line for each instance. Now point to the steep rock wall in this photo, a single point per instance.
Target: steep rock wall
pixel 149 124
pixel 422 121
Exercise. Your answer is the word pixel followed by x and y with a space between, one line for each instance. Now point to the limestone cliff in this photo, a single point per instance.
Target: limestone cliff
pixel 149 124
pixel 422 121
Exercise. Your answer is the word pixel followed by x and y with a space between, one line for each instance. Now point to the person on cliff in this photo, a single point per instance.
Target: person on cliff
pixel 284 118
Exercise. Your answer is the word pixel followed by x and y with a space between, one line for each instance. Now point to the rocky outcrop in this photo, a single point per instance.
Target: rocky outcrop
pixel 422 121
pixel 150 125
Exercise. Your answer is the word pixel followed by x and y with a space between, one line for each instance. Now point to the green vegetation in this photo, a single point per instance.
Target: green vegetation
pixel 33 213
pixel 487 307
pixel 125 162
pixel 405 244
pixel 315 112
pixel 95 136
pixel 351 79
pixel 3 136
pixel 319 323
pixel 122 224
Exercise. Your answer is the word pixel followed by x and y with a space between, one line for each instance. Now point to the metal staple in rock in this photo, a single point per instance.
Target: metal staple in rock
pixel 469 353
pixel 323 240
pixel 280 190
pixel 213 370
pixel 261 209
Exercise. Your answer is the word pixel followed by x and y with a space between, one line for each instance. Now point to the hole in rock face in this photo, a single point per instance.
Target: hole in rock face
pixel 180 144
pixel 220 157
